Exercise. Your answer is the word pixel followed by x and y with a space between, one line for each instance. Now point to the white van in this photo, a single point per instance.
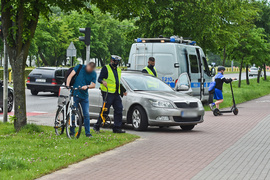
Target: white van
pixel 174 56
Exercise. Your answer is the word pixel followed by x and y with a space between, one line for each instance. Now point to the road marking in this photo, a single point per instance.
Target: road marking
pixel 46 98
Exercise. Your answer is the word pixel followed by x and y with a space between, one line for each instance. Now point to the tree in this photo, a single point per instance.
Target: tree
pixel 251 48
pixel 19 22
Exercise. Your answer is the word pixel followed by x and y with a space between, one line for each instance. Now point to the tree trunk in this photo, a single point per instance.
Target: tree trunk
pixel 43 58
pixel 264 71
pixel 259 75
pixel 224 56
pixel 247 77
pixel 18 66
pixel 30 61
pixel 101 62
pixel 37 60
pixel 240 73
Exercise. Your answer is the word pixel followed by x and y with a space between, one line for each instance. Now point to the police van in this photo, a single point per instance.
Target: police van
pixel 174 56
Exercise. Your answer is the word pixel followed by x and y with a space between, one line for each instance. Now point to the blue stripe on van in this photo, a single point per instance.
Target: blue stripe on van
pixel 197 84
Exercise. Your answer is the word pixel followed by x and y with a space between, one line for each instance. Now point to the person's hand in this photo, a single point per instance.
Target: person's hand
pixel 104 83
pixel 125 93
pixel 68 87
pixel 84 87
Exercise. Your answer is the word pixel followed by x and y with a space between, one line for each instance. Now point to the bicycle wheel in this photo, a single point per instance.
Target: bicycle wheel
pixel 74 125
pixel 59 124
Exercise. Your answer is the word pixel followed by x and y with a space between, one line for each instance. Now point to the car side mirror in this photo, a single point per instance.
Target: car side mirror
pixel 182 87
pixel 213 72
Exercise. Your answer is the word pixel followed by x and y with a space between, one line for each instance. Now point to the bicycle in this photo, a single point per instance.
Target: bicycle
pixel 68 116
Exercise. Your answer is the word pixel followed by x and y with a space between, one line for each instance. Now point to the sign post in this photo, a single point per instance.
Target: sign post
pixel 5 93
pixel 71 52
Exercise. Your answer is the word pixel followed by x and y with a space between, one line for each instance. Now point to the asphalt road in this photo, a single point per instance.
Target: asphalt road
pixel 243 76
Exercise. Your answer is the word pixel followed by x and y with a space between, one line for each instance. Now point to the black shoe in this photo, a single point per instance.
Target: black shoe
pixel 118 131
pixel 89 135
pixel 96 128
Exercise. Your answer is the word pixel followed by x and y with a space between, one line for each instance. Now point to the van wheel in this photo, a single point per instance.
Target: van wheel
pixel 187 127
pixel 139 119
pixel 34 92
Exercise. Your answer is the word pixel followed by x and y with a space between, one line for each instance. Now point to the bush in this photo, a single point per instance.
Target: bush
pixel 31 128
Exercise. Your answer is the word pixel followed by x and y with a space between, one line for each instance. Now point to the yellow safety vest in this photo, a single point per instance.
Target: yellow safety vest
pixel 111 83
pixel 150 71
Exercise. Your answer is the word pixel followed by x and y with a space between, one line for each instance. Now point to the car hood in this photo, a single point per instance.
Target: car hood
pixel 165 95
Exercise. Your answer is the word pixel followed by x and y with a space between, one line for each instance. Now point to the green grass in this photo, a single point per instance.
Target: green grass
pixel 245 93
pixel 36 150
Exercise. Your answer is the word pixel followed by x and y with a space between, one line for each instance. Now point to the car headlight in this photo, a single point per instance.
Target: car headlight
pixel 200 106
pixel 161 104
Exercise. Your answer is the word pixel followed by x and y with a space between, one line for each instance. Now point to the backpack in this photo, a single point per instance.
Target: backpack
pixel 74 77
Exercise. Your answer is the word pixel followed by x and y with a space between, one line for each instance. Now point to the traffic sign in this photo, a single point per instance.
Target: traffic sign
pixel 71 50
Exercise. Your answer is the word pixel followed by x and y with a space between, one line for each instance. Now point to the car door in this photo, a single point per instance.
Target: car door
pixel 95 101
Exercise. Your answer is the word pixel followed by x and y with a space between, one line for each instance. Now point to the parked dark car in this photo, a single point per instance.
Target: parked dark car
pixel 46 79
pixel 10 97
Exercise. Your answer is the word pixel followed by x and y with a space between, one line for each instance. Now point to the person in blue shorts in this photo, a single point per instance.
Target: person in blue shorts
pixel 219 79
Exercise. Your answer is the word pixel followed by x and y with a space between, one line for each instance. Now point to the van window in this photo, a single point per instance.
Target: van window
pixel 194 64
pixel 163 63
pixel 206 68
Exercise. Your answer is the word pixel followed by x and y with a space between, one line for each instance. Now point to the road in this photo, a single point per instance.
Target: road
pixel 40 109
pixel 243 75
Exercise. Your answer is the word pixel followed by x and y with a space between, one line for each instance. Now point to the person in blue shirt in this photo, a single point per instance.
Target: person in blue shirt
pixel 219 79
pixel 86 79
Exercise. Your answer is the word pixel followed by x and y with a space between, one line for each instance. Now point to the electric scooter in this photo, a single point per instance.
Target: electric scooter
pixel 233 110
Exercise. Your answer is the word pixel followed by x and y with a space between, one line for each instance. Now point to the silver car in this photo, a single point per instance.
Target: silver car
pixel 151 102
pixel 253 71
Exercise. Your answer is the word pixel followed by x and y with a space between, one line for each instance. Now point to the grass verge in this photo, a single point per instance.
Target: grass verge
pixel 36 150
pixel 245 93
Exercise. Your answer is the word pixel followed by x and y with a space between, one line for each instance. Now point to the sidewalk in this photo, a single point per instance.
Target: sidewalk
pixel 225 147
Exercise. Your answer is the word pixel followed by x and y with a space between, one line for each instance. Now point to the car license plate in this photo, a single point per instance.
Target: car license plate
pixel 189 114
pixel 40 80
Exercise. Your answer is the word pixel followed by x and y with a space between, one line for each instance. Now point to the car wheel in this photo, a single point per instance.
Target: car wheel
pixel 10 102
pixel 187 127
pixel 34 92
pixel 139 118
pixel 56 93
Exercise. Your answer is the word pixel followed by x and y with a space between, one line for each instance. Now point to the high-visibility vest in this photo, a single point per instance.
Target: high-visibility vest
pixel 149 71
pixel 111 82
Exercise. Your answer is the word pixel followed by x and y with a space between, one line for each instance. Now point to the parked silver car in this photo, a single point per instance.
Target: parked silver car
pixel 253 71
pixel 151 102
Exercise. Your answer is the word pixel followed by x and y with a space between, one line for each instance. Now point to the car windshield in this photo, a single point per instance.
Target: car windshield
pixel 253 68
pixel 146 83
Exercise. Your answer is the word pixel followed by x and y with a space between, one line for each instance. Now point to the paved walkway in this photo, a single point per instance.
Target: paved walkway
pixel 225 147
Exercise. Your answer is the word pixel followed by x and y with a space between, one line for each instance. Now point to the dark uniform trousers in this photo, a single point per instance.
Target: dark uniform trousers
pixel 113 99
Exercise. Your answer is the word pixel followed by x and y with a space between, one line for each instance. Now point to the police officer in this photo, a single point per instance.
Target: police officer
pixel 150 69
pixel 109 77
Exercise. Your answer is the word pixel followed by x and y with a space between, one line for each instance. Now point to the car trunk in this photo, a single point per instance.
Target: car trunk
pixel 42 76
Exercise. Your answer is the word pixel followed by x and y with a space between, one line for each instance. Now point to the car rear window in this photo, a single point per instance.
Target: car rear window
pixel 253 68
pixel 43 72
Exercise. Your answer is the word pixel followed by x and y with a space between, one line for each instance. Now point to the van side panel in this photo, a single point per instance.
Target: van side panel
pixel 166 57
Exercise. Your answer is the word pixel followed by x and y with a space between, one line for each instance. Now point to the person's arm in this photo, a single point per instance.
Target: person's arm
pixel 226 80
pixel 123 90
pixel 144 71
pixel 70 77
pixel 103 75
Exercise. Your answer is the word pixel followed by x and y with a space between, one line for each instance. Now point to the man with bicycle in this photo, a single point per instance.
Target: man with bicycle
pixel 86 79
pixel 109 80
